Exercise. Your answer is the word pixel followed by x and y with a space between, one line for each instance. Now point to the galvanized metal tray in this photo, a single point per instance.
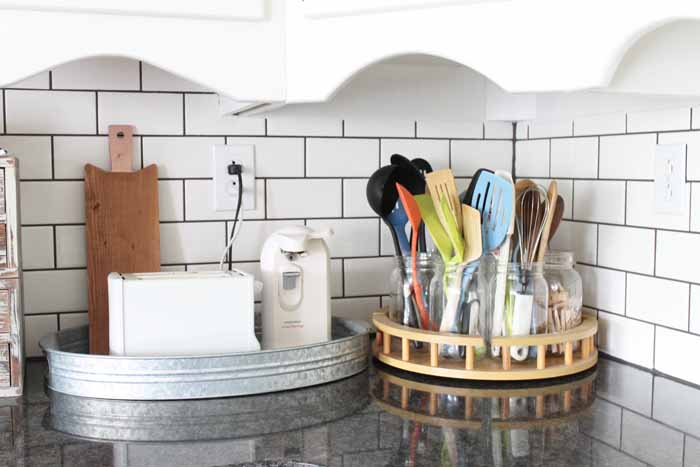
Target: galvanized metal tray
pixel 73 371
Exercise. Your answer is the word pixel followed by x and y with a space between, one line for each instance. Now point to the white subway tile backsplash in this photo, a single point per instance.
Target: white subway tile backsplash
pixel 380 128
pixel 627 339
pixel 37 247
pixel 677 255
pixel 52 202
pixel 55 291
pixel 658 120
pixel 650 441
pixel 37 81
pixel 522 130
pixel 367 276
pixel 170 203
pixel 470 156
pixel 33 153
pixel 386 242
pixel 199 202
pixel 671 347
pixel 355 198
pixel 71 153
pixel 628 157
pixel 252 236
pixel 435 151
pixel 579 237
pixel 691 455
pixel 113 73
pixel 195 242
pixel 627 248
pixel 694 200
pixel 276 157
pixel 603 124
pixel 599 201
pixel 72 320
pixel 37 327
pixel 149 113
pixel 641 209
pixel 532 158
pixel 351 237
pixel 179 157
pixel 692 141
pixel 575 157
pixel 603 289
pixel 157 79
pixel 338 157
pixel 304 198
pixel 695 309
pixel 62 112
pixel 555 128
pixel 498 130
pixel 658 301
pixel 294 126
pixel 437 129
pixel 355 308
pixel 70 246
pixel 202 117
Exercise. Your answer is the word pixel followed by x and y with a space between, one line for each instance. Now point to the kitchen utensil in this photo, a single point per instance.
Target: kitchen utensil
pixel 453 230
pixel 492 196
pixel 148 312
pixel 441 183
pixel 413 211
pixel 295 269
pixel 382 198
pixel 471 221
pixel 558 215
pixel 121 225
pixel 552 196
pixel 432 222
pixel 414 181
pixel 422 165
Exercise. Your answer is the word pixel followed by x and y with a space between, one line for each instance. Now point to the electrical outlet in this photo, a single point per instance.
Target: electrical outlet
pixel 669 178
pixel 225 185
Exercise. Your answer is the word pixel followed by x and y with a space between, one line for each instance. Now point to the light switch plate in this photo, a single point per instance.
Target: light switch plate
pixel 669 179
pixel 225 195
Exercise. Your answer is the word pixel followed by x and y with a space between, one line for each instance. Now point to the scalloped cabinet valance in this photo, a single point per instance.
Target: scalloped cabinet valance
pixel 274 52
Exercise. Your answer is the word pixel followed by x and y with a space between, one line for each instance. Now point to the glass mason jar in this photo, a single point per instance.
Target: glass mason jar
pixel 405 305
pixel 565 293
pixel 518 305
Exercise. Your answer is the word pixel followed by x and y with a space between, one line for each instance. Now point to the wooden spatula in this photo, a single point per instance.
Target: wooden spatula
pixel 121 226
pixel 471 222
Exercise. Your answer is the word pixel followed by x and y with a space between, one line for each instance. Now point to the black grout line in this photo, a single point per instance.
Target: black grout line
pixel 53 159
pixel 184 115
pixel 650 276
pixel 4 112
pixel 184 202
pixel 685 437
pixel 622 414
pixel 97 113
pixel 140 75
pixel 625 297
pixel 55 247
pixel 266 127
pixel 655 250
pixel 656 325
pixel 342 128
pixel 50 80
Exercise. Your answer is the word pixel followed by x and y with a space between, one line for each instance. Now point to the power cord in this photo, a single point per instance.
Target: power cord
pixel 234 169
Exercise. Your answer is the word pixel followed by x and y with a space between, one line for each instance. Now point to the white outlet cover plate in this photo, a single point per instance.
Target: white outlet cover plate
pixel 225 197
pixel 669 179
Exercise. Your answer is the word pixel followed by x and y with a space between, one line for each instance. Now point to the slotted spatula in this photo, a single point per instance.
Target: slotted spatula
pixel 441 183
pixel 492 196
pixel 435 228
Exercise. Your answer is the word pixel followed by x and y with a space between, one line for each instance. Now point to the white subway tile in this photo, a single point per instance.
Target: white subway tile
pixel 70 246
pixel 149 113
pixel 338 157
pixel 603 124
pixel 436 152
pixel 579 237
pixel 306 126
pixel 71 153
pixel 692 452
pixel 641 209
pixel 575 157
pixel 522 130
pixel 55 291
pixel 694 199
pixel 52 202
pixel 37 327
pixel 671 346
pixel 658 301
pixel 37 81
pixel 599 201
pixel 198 242
pixel 158 79
pixel 276 157
pixel 692 141
pixel 650 441
pixel 351 237
pixel 385 240
pixel 33 152
pixel 671 402
pixel 72 320
pixel 202 117
pixel 304 198
pixel 368 276
pixel 199 202
pixel 695 309
pixel 627 156
pixel 50 112
pixel 627 248
pixel 377 128
pixel 470 156
pixel 658 120
pixel 37 248
pixel 437 129
pixel 450 129
pixel 532 158
pixel 355 308
pixel 179 157
pixel 603 288
pixel 253 234
pixel 355 198
pixel 540 129
pixel 170 204
pixel 627 339
pixel 677 255
pixel 498 130
pixel 114 73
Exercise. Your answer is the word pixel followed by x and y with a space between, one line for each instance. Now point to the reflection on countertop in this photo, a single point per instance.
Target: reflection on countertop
pixel 613 415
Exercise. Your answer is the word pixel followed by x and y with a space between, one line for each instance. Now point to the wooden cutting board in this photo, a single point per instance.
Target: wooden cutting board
pixel 121 227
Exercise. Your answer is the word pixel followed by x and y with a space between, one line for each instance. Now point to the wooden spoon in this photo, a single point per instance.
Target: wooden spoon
pixel 558 215
pixel 552 196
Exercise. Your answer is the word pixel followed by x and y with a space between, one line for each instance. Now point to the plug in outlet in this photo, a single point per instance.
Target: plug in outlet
pixel 669 178
pixel 225 185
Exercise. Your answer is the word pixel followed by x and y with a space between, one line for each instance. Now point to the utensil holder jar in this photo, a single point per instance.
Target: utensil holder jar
pixel 403 306
pixel 565 289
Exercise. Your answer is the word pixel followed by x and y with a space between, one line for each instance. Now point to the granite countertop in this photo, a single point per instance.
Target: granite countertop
pixel 613 415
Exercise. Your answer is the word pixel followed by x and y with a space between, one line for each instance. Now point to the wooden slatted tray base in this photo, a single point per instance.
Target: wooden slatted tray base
pixel 393 346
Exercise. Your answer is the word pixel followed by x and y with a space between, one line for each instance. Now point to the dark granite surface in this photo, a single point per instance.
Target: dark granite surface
pixel 614 415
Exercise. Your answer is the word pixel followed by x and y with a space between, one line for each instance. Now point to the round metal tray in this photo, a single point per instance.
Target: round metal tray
pixel 73 371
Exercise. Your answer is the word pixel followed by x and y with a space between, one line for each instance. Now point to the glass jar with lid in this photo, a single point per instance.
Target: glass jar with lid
pixel 565 290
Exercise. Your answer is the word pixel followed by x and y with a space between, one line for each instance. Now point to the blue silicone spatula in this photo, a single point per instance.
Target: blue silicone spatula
pixel 492 196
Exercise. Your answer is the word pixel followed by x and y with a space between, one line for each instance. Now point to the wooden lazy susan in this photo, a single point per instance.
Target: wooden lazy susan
pixel 394 346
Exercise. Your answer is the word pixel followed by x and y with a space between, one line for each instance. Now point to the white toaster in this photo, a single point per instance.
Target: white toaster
pixel 181 313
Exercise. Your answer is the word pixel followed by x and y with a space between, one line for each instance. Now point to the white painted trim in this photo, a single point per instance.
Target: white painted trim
pixel 335 8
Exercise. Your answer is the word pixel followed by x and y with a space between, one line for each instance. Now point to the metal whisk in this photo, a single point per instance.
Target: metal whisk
pixel 532 209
